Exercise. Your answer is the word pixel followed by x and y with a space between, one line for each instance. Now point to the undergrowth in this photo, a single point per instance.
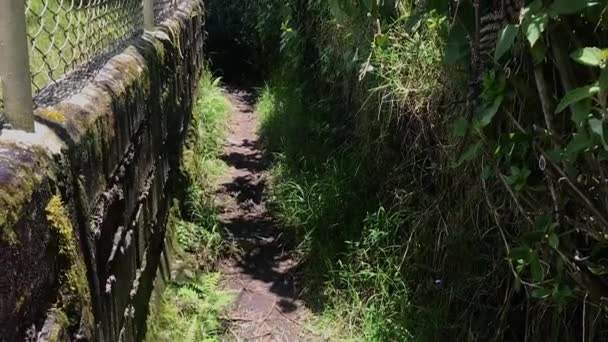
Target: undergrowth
pixel 337 179
pixel 195 225
pixel 351 244
pixel 442 164
pixel 190 305
pixel 189 311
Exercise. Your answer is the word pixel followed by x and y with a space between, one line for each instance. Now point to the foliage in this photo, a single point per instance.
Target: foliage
pixel 189 311
pixel 482 129
pixel 195 225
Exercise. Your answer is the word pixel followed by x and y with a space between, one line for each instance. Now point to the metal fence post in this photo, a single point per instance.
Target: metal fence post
pixel 14 66
pixel 149 23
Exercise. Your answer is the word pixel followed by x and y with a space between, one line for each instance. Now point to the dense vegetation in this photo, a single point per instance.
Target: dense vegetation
pixel 442 162
pixel 190 305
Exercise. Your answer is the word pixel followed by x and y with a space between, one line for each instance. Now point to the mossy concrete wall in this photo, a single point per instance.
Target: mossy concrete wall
pixel 84 201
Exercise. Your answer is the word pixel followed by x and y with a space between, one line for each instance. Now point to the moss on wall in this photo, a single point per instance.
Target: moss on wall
pixel 17 185
pixel 74 295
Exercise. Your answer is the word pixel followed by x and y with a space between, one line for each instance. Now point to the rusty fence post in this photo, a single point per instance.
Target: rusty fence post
pixel 15 67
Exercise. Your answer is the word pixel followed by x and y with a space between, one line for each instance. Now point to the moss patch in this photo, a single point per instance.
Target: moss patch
pixel 19 176
pixel 74 295
pixel 57 332
pixel 53 115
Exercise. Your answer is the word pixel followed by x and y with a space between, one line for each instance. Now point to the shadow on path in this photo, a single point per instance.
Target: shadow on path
pixel 261 275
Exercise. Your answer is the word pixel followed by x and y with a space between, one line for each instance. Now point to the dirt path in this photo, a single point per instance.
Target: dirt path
pixel 261 274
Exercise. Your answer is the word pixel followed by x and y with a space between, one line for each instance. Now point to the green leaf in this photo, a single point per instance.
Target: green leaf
pixel 602 155
pixel 506 38
pixel 561 7
pixel 543 223
pixel 555 155
pixel 535 27
pixel 539 52
pixel 534 237
pixel 578 143
pixel 460 127
pixel 531 9
pixel 541 293
pixel 581 111
pixel 381 40
pixel 457 47
pixel 577 95
pixel 487 112
pixel 487 172
pixel 536 269
pixel 441 6
pixel 518 177
pixel 597 269
pixel 591 56
pixel 516 283
pixel 471 153
pixel 553 240
pixel 520 253
pixel 597 127
pixel 369 5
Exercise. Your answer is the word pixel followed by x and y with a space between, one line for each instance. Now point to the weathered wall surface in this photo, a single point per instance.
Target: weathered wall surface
pixel 84 200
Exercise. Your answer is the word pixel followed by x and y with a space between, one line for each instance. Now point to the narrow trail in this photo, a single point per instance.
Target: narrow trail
pixel 260 275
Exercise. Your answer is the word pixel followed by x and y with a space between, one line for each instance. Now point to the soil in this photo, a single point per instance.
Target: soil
pixel 261 275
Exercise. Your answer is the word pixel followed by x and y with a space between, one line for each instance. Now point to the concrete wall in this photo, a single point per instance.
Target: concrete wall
pixel 84 200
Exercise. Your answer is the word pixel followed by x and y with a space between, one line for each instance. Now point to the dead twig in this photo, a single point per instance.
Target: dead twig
pixel 238 319
pixel 258 336
pixel 295 322
pixel 515 199
pixel 274 304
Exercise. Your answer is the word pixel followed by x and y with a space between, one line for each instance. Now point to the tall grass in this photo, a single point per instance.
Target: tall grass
pixel 350 244
pixel 190 306
pixel 360 135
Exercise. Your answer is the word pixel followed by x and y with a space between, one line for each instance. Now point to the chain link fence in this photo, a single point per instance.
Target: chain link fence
pixel 163 9
pixel 66 35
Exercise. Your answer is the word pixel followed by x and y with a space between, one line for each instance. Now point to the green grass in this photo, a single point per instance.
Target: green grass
pixel 196 227
pixel 321 192
pixel 189 310
pixel 346 179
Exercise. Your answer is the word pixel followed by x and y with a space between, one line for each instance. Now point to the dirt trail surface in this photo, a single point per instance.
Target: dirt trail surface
pixel 260 275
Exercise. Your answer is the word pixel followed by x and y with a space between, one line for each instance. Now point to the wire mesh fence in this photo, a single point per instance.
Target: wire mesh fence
pixel 163 9
pixel 65 35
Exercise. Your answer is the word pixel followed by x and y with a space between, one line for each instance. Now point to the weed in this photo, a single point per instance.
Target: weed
pixel 189 311
pixel 196 226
